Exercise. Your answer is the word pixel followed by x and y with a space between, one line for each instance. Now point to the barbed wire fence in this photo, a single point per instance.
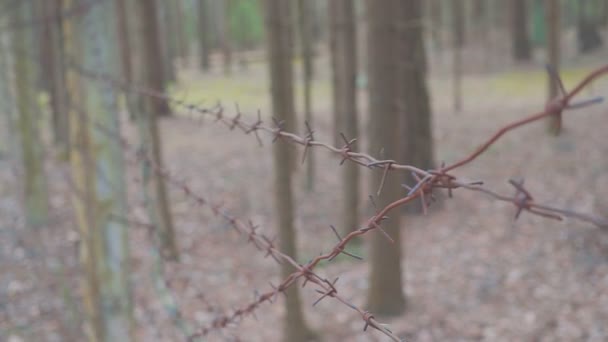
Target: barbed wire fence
pixel 426 183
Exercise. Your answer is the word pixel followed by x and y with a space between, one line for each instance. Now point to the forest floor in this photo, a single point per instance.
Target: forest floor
pixel 471 272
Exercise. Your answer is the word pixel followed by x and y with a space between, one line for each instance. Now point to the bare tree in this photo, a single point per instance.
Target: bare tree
pixel 224 31
pixel 414 105
pixel 278 22
pixel 108 194
pixel 385 295
pixel 53 69
pixel 458 39
pixel 552 22
pixel 180 30
pixel 147 73
pixel 7 103
pixel 305 21
pixel 123 40
pixel 435 14
pixel 34 181
pixel 167 42
pixel 97 172
pixel 203 34
pixel 588 34
pixel 344 76
pixel 520 41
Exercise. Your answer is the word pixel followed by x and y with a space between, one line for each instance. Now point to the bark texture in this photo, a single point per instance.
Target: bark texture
pixel 385 294
pixel 34 181
pixel 552 22
pixel 304 21
pixel 519 31
pixel 147 112
pixel 344 90
pixel 278 27
pixel 414 102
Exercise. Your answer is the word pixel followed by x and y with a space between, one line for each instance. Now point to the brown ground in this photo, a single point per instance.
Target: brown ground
pixel 471 272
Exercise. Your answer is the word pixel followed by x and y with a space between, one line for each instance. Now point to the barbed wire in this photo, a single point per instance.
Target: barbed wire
pixel 523 200
pixel 426 180
pixel 263 243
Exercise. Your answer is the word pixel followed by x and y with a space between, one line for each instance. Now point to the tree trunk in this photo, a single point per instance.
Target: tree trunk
pixel 334 8
pixel 458 40
pixel 278 22
pixel 225 40
pixel 385 294
pixel 436 19
pixel 34 181
pixel 124 40
pixel 552 22
pixel 155 194
pixel 459 22
pixel 344 76
pixel 305 16
pixel 166 41
pixel 479 9
pixel 82 175
pixel 414 105
pixel 588 35
pixel 54 73
pixel 203 34
pixel 99 52
pixel 519 31
pixel 160 73
pixel 98 175
pixel 180 31
pixel 8 109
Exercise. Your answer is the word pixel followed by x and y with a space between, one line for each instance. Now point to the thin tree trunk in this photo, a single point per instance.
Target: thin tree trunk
pixel 180 30
pixel 385 294
pixel 459 22
pixel 99 52
pixel 166 41
pixel 53 72
pixel 225 40
pixel 588 34
pixel 436 19
pixel 457 43
pixel 278 22
pixel 82 173
pixel 334 8
pixel 124 40
pixel 415 109
pixel 34 182
pixel 479 7
pixel 519 31
pixel 155 193
pixel 344 76
pixel 305 16
pixel 8 109
pixel 203 34
pixel 552 22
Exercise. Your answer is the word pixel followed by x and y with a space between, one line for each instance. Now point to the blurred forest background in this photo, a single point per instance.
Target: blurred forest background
pixel 157 155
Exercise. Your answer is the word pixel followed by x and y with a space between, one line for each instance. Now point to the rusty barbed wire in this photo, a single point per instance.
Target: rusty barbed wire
pixel 263 243
pixel 427 180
